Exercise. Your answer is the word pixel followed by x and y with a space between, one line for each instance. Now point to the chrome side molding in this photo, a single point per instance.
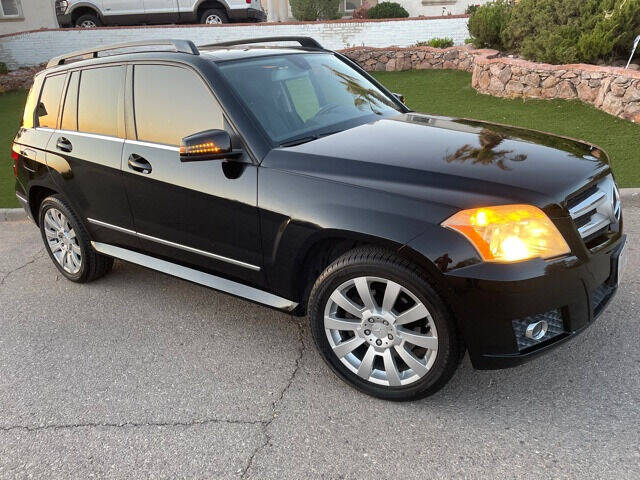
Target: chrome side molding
pixel 196 276
pixel 175 245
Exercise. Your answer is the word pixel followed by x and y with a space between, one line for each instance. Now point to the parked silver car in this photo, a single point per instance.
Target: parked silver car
pixel 95 13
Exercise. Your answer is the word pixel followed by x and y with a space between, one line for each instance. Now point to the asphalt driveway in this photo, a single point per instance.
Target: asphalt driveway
pixel 141 375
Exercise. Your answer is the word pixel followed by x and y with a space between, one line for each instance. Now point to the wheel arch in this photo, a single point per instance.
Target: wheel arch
pixel 322 249
pixel 36 194
pixel 202 5
pixel 84 9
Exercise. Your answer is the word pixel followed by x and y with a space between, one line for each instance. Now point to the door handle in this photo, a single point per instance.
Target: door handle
pixel 64 145
pixel 139 164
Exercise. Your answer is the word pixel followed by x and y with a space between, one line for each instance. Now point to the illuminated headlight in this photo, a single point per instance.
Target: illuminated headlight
pixel 509 233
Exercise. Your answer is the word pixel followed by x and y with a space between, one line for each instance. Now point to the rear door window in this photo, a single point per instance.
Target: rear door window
pixel 100 103
pixel 47 109
pixel 172 103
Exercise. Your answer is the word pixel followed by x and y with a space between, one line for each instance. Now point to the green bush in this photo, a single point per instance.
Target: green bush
pixel 471 9
pixel 387 10
pixel 311 10
pixel 437 43
pixel 3 68
pixel 487 23
pixel 572 31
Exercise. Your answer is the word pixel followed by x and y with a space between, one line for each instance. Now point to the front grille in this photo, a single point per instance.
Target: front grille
pixel 553 319
pixel 595 209
pixel 600 296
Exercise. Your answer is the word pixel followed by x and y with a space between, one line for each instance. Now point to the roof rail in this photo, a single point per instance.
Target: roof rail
pixel 180 46
pixel 306 42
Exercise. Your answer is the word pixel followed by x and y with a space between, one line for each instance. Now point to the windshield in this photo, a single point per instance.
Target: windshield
pixel 302 96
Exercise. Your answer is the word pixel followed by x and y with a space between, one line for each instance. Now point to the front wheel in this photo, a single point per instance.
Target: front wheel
pixel 88 20
pixel 214 16
pixel 381 327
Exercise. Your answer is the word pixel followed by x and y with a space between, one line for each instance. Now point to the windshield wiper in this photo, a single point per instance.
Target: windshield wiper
pixel 308 138
pixel 299 141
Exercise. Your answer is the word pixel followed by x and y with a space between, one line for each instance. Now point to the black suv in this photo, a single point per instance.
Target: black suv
pixel 290 177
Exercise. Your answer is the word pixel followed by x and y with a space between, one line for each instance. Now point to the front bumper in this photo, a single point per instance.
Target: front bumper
pixel 247 14
pixel 493 303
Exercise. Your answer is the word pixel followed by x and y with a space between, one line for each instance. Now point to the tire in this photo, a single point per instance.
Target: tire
pixel 220 16
pixel 67 242
pixel 433 326
pixel 88 20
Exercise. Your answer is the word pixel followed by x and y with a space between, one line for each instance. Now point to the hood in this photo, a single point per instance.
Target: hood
pixel 441 158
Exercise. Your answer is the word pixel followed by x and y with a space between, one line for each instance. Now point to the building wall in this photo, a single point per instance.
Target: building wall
pixel 35 14
pixel 33 48
pixel 429 8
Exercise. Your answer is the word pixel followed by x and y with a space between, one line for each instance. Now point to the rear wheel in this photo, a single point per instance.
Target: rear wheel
pixel 381 327
pixel 88 20
pixel 68 243
pixel 213 16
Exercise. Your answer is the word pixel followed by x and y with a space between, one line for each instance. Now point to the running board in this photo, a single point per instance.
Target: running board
pixel 196 276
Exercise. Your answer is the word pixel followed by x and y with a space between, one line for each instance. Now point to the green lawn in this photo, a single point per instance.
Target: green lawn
pixel 11 106
pixel 446 92
pixel 439 92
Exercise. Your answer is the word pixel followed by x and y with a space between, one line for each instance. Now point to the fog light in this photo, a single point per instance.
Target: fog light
pixel 537 330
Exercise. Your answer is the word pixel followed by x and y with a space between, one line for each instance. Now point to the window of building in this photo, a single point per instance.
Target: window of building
pixel 172 103
pixel 350 5
pixel 10 9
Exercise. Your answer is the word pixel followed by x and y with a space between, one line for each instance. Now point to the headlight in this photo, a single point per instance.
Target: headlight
pixel 509 233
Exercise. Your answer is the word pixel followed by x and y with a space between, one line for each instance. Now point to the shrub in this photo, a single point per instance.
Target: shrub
pixel 388 10
pixel 437 43
pixel 3 68
pixel 310 10
pixel 471 9
pixel 571 31
pixel 487 23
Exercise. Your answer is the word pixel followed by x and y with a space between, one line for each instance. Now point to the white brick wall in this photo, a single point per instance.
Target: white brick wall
pixel 28 49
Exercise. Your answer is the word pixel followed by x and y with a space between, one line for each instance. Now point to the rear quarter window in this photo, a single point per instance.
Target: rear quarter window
pixel 47 108
pixel 30 106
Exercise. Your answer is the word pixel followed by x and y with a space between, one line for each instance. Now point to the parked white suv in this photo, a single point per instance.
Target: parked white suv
pixel 95 13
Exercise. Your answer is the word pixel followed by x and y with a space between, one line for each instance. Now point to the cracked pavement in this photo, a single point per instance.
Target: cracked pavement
pixel 141 375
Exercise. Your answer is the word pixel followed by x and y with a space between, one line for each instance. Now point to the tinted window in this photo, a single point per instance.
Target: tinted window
pixel 30 106
pixel 100 100
pixel 172 103
pixel 296 96
pixel 47 110
pixel 70 109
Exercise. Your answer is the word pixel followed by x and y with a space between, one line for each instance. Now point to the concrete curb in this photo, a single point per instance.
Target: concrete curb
pixel 17 214
pixel 12 214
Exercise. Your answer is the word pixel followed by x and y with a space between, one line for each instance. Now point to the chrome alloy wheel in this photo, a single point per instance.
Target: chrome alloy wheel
pixel 212 19
pixel 88 24
pixel 62 241
pixel 381 331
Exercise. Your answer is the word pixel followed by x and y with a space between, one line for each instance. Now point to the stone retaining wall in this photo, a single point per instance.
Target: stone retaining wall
pixel 614 90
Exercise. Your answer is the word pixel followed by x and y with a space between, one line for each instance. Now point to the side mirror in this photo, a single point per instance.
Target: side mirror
pixel 400 97
pixel 207 145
